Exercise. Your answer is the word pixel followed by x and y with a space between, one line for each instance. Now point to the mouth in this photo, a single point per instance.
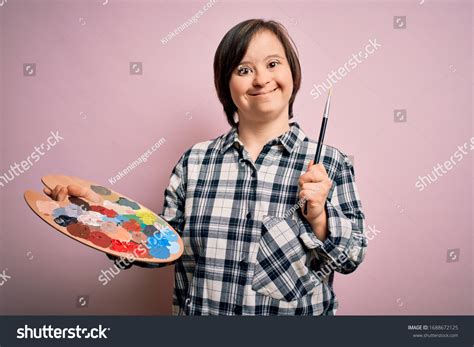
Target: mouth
pixel 264 93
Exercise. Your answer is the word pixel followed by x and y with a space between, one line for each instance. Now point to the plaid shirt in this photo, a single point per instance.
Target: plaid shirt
pixel 248 250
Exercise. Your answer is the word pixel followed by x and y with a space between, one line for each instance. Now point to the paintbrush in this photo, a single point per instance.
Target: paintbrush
pixel 321 138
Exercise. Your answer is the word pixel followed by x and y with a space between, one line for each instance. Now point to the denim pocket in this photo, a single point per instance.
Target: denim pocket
pixel 281 271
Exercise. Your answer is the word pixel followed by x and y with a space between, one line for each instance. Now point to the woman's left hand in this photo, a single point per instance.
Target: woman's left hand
pixel 314 186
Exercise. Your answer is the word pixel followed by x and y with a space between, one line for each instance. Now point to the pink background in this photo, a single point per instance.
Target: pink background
pixel 83 89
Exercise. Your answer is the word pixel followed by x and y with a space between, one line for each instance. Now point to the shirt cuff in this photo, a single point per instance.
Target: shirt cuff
pixel 332 251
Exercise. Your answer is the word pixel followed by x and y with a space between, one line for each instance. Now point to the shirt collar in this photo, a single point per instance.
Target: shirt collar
pixel 290 139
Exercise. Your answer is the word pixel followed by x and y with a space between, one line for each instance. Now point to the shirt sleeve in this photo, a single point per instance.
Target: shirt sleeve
pixel 173 208
pixel 344 248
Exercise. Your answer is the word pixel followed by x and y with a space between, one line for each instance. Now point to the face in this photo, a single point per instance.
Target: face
pixel 262 84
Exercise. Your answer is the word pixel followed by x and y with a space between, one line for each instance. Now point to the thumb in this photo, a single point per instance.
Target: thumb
pixel 311 162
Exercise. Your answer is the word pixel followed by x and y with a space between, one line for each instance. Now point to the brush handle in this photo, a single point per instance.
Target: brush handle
pixel 322 132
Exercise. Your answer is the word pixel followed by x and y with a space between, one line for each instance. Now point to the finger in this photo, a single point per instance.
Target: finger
pixel 321 186
pixel 312 194
pixel 314 187
pixel 313 200
pixel 62 194
pixel 311 162
pixel 56 192
pixel 87 193
pixel 47 191
pixel 312 176
pixel 318 167
pixel 77 190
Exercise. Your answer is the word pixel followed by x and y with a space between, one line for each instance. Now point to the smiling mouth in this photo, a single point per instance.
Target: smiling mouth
pixel 258 94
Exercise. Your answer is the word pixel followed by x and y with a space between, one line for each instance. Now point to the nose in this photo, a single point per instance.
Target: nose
pixel 262 77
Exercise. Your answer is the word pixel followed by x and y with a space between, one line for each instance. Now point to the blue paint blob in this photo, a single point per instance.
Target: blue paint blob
pixel 157 241
pixel 60 211
pixel 163 242
pixel 161 239
pixel 74 210
pixel 173 247
pixel 151 242
pixel 121 219
pixel 70 210
pixel 160 252
pixel 169 234
pixel 64 221
pixel 129 203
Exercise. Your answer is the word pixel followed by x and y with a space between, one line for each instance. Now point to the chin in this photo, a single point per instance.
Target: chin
pixel 263 116
pixel 269 110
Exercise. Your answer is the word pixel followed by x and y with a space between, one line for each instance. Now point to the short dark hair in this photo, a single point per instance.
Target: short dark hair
pixel 232 49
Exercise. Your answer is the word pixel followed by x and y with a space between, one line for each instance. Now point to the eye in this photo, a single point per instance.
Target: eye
pixel 274 63
pixel 243 70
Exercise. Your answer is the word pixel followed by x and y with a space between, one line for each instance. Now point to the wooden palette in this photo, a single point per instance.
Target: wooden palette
pixel 118 225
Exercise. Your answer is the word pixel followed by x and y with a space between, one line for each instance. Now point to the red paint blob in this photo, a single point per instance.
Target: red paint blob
pixel 103 210
pixel 132 225
pixel 117 245
pixel 131 246
pixel 100 239
pixel 79 230
pixel 125 246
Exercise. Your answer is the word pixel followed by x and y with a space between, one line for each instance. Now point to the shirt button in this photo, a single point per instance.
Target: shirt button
pixel 249 215
pixel 188 302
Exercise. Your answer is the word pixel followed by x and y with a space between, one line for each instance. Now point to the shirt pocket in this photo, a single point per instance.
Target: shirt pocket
pixel 280 270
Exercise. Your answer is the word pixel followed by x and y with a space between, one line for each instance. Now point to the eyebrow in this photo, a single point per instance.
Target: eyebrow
pixel 269 56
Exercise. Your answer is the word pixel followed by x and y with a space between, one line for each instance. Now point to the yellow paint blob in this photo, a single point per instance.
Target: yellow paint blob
pixel 146 216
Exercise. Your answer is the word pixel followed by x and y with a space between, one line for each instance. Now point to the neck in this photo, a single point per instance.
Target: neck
pixel 257 135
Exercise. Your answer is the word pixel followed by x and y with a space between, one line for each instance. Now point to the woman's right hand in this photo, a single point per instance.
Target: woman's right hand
pixel 59 193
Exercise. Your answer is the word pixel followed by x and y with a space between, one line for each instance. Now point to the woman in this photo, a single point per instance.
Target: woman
pixel 235 200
